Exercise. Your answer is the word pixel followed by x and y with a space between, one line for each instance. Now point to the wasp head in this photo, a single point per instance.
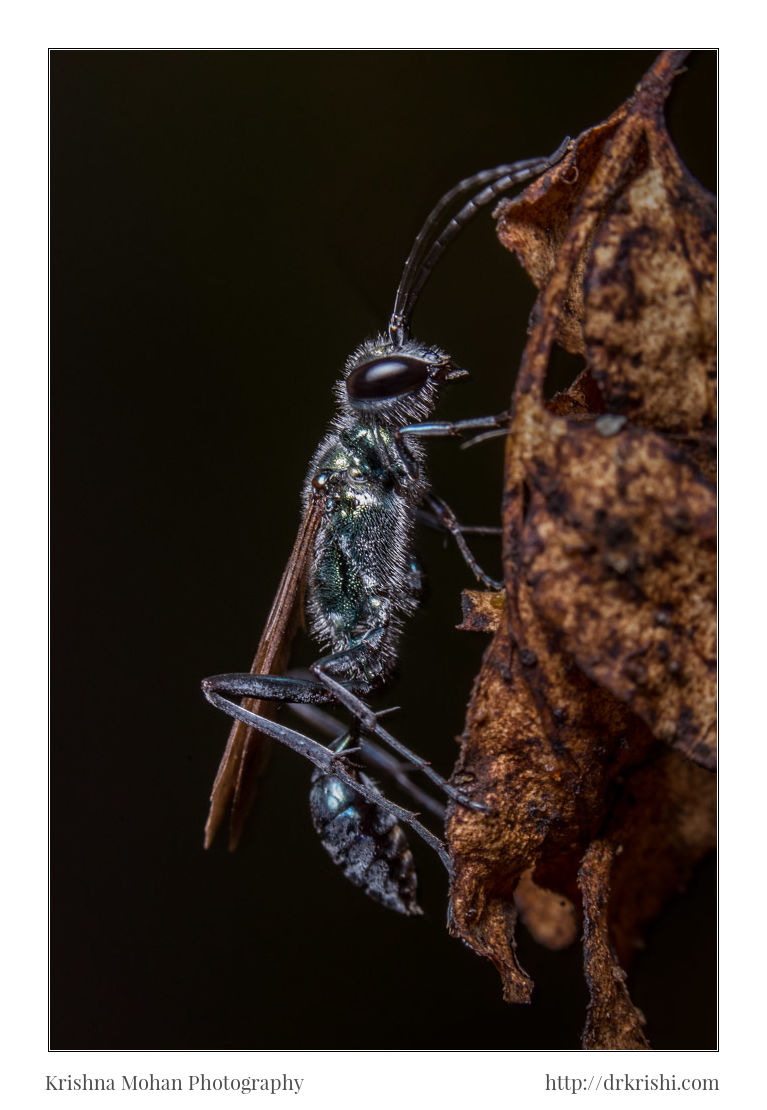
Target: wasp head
pixel 396 383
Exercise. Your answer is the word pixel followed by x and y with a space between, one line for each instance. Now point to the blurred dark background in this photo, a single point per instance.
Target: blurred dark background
pixel 225 228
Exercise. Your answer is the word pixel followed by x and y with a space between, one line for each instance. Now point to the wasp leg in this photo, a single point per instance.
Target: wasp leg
pixel 431 520
pixel 268 687
pixel 374 755
pixel 440 511
pixel 370 724
pixel 455 427
pixel 447 519
pixel 329 762
pixel 303 693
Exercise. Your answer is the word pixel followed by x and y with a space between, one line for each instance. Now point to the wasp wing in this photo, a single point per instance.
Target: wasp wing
pixel 247 750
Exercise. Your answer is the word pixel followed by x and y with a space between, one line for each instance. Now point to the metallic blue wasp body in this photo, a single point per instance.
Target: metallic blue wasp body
pixel 354 558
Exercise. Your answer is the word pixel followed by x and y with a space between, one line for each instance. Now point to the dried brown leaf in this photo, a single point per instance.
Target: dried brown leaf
pixel 542 745
pixel 592 720
pixel 664 818
pixel 649 316
pixel 619 550
pixel 612 1020
pixel 536 223
pixel 481 610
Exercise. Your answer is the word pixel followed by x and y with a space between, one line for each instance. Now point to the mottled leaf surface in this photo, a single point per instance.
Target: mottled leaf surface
pixel 591 729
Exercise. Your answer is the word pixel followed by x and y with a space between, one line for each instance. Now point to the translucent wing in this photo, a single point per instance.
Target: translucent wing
pixel 247 750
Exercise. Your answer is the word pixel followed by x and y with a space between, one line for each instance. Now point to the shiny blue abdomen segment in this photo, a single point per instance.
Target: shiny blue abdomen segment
pixel 365 841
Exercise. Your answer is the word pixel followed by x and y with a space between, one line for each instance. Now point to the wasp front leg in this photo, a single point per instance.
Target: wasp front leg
pixel 473 425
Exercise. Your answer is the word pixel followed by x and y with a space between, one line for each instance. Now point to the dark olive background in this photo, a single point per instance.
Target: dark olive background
pixel 225 228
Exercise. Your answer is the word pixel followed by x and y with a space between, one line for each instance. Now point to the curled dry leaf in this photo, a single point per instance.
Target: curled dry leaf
pixel 482 611
pixel 618 550
pixel 591 727
pixel 611 1015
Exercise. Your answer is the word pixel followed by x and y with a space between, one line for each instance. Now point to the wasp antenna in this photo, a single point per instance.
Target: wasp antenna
pixel 436 235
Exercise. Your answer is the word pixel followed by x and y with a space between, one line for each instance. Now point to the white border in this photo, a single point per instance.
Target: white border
pixel 410 1079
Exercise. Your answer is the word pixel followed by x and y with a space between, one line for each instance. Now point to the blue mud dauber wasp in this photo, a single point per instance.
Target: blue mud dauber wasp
pixel 353 563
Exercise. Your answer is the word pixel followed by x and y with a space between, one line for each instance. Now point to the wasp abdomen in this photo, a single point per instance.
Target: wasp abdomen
pixel 366 842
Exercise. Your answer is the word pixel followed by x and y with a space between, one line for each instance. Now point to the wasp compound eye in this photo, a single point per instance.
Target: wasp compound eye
pixel 381 378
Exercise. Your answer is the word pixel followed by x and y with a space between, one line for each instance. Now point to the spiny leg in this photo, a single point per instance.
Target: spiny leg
pixel 489 425
pixel 396 769
pixel 447 519
pixel 328 690
pixel 431 520
pixel 442 522
pixel 370 724
pixel 323 758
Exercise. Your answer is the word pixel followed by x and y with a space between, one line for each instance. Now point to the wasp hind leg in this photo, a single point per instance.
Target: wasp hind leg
pixel 370 723
pixel 398 770
pixel 219 691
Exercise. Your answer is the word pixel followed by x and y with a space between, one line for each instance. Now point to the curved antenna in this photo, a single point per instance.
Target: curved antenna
pixel 431 242
pixel 433 220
